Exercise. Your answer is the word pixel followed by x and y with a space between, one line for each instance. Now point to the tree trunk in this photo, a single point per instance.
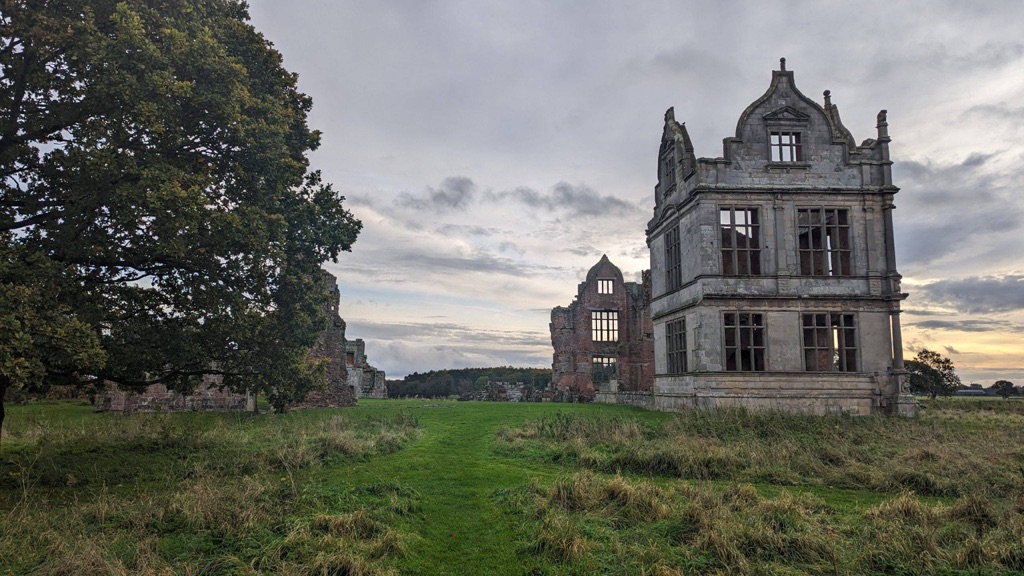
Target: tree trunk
pixel 3 392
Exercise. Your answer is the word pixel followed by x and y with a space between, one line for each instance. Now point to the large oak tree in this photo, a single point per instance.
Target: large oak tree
pixel 933 374
pixel 158 220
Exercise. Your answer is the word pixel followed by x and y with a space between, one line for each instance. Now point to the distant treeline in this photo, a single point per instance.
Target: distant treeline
pixel 441 383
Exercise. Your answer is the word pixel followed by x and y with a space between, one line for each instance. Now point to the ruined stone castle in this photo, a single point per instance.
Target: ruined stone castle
pixel 348 376
pixel 603 340
pixel 773 268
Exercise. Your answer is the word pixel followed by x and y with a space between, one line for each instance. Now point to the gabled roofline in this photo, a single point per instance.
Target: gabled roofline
pixel 777 77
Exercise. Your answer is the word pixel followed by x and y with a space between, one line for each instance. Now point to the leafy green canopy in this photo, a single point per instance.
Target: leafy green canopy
pixel 933 374
pixel 157 217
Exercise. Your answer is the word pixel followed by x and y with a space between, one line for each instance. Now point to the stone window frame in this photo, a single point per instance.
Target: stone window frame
pixel 750 256
pixel 785 145
pixel 825 260
pixel 839 330
pixel 609 368
pixel 746 338
pixel 668 162
pixel 604 325
pixel 675 345
pixel 673 259
pixel 605 285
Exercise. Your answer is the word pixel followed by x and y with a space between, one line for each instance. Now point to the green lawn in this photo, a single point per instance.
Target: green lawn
pixel 428 487
pixel 456 470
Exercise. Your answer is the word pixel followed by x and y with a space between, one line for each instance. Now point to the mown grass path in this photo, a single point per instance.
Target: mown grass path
pixel 455 470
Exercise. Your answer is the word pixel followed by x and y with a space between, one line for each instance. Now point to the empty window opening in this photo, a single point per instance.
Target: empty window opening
pixel 675 346
pixel 786 147
pixel 670 173
pixel 350 358
pixel 741 245
pixel 604 325
pixel 824 241
pixel 673 260
pixel 604 369
pixel 744 342
pixel 605 287
pixel 830 342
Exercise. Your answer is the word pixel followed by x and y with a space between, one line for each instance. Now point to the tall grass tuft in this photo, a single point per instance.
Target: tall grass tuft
pixel 586 520
pixel 196 493
pixel 944 452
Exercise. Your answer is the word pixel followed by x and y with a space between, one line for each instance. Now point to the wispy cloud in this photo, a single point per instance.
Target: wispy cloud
pixel 454 193
pixel 572 200
pixel 966 325
pixel 979 294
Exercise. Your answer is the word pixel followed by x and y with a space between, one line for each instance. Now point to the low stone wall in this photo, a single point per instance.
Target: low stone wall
pixel 641 399
pixel 855 394
pixel 209 396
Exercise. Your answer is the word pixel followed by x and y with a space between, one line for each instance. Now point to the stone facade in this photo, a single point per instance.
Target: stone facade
pixel 330 346
pixel 208 396
pixel 603 340
pixel 773 269
pixel 367 381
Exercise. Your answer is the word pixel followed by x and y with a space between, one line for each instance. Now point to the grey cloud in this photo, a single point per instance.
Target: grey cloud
pixel 940 56
pixel 360 200
pixel 584 251
pixel 969 325
pixel 479 261
pixel 950 207
pixel 914 312
pixel 1001 112
pixel 638 252
pixel 979 294
pixel 455 193
pixel 951 350
pixel 924 238
pixel 574 201
pixel 937 186
pixel 466 230
pixel 510 247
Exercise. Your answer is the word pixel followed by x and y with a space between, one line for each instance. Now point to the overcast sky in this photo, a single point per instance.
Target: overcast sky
pixel 495 150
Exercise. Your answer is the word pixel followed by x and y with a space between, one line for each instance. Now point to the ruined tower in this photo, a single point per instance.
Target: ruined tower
pixel 602 340
pixel 773 269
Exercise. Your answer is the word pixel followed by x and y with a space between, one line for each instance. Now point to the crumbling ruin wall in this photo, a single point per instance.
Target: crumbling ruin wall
pixel 617 356
pixel 208 396
pixel 367 381
pixel 330 347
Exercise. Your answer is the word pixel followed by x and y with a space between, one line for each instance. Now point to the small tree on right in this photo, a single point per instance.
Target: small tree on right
pixel 1004 388
pixel 933 374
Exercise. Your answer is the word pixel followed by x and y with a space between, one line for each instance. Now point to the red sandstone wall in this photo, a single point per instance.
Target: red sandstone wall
pixel 574 348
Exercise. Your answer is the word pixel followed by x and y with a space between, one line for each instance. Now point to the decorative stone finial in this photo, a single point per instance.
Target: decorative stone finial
pixel 828 98
pixel 881 117
pixel 670 114
pixel 782 64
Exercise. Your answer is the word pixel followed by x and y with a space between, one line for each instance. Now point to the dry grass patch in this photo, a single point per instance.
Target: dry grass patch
pixel 941 453
pixel 197 494
pixel 578 522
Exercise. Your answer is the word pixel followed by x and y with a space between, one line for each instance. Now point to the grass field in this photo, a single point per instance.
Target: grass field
pixel 422 487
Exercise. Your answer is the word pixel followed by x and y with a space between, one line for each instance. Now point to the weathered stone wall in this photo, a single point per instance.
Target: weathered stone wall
pixel 330 347
pixel 643 399
pixel 832 172
pixel 367 381
pixel 208 396
pixel 575 348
